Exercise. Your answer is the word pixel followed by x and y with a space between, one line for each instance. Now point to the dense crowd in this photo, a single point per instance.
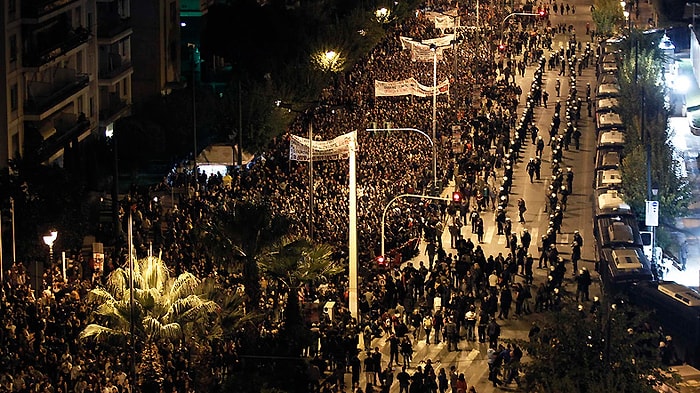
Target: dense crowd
pixel 39 342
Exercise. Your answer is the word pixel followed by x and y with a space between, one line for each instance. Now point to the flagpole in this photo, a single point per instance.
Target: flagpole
pixel 352 232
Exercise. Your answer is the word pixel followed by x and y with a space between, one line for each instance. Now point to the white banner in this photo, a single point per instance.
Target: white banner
pixel 443 20
pixel 334 149
pixel 409 86
pixel 420 51
pixel 446 22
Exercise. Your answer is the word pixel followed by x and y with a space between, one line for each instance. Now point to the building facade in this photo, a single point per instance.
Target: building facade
pixel 67 76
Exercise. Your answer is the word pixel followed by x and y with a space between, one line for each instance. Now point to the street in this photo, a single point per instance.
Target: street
pixel 471 357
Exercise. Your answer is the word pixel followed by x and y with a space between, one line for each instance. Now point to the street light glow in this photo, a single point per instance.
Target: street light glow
pixel 329 60
pixel 50 239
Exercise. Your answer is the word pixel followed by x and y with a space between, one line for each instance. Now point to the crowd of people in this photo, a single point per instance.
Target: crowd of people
pixel 39 345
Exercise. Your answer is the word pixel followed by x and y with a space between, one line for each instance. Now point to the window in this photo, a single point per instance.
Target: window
pixel 14 102
pixel 80 104
pixel 173 14
pixel 79 62
pixel 11 6
pixel 125 88
pixel 13 47
pixel 92 107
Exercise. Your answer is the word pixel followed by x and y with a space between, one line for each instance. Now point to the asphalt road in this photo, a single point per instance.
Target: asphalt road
pixel 471 357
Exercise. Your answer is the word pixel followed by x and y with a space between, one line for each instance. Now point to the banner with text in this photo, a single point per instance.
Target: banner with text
pixel 335 149
pixel 420 51
pixel 408 86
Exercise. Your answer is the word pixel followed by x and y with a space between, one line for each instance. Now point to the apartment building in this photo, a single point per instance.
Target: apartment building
pixel 67 76
pixel 115 70
pixel 156 48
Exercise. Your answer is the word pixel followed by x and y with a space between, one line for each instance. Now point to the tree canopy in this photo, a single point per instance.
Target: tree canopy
pixel 612 349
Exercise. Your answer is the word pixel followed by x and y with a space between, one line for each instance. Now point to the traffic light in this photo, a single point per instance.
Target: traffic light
pixel 456 197
pixel 542 12
pixel 501 47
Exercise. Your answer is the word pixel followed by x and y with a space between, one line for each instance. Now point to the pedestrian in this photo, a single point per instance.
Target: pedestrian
pixel 575 255
pixel 522 208
pixel 394 343
pixel 387 379
pixel 453 379
pixel 377 359
pixel 493 331
pixel 461 384
pixel 557 87
pixel 404 380
pixel 406 351
pixel 451 333
pixel 369 367
pixel 480 230
pixel 442 380
pixel 427 326
pixel 545 97
pixel 495 360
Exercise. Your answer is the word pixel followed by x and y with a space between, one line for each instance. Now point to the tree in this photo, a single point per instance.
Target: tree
pixel 293 263
pixel 164 309
pixel 237 233
pixel 646 118
pixel 612 350
pixel 607 15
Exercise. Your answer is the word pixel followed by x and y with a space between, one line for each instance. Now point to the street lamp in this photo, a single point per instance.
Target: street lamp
pixel 434 49
pixel 386 208
pixel 193 51
pixel 503 23
pixel 432 142
pixel 382 15
pixel 329 60
pixel 49 241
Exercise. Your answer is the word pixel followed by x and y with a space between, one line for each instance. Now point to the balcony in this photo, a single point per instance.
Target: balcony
pixel 112 107
pixel 56 133
pixel 35 9
pixel 43 96
pixel 113 69
pixel 52 48
pixel 111 30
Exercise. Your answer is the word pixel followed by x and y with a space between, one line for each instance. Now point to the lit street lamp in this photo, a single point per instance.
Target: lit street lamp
pixel 329 60
pixel 49 241
pixel 382 15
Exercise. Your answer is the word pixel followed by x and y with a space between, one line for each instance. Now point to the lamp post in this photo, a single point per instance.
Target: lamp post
pixel 12 217
pixel 193 50
pixel 434 49
pixel 382 15
pixel 432 142
pixel 49 241
pixel 512 14
pixel 386 208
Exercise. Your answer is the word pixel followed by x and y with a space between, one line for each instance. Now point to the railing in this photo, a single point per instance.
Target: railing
pixel 38 104
pixel 115 66
pixel 111 106
pixel 113 27
pixel 37 56
pixel 38 8
pixel 61 138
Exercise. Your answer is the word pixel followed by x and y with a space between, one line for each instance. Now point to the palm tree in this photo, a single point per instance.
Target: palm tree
pixel 239 231
pixel 164 308
pixel 293 263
